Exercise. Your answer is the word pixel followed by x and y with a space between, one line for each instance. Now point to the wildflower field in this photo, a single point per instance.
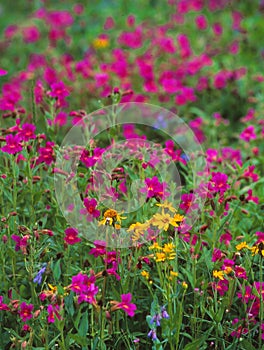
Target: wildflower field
pixel 131 175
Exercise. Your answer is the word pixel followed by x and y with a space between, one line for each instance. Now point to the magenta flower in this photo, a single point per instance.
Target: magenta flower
pixel 71 236
pixel 187 202
pixel 248 134
pixel 217 255
pixel 25 311
pixel 125 305
pixel 3 306
pixel 85 287
pixel 99 249
pixel 221 286
pixel 61 118
pixel 90 209
pixel 59 90
pixel 31 34
pixel 249 173
pixel 201 22
pixel 246 295
pixel 3 72
pixel 260 236
pixel 218 183
pixel 21 243
pixel 53 310
pixel 154 188
pixel 27 132
pixel 249 197
pixel 240 272
pixel 46 154
pixel 13 144
pixel 226 238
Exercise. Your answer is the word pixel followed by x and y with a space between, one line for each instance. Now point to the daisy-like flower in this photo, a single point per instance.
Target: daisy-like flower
pixel 241 246
pixel 155 245
pixel 164 220
pixel 167 205
pixel 111 217
pixel 218 274
pixel 138 230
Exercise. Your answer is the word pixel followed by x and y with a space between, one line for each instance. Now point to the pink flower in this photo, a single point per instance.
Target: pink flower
pixel 226 238
pixel 218 183
pixel 13 144
pixel 71 236
pixel 59 90
pixel 21 243
pixel 99 249
pixel 240 272
pixel 46 154
pixel 125 305
pixel 218 29
pixel 201 22
pixel 25 311
pixel 90 210
pixel 27 132
pixel 187 202
pixel 248 134
pixel 61 118
pixel 31 34
pixel 217 255
pixel 249 173
pixel 251 198
pixel 154 188
pixel 85 287
pixel 53 310
pixel 3 72
pixel 260 236
pixel 3 306
pixel 246 294
pixel 221 286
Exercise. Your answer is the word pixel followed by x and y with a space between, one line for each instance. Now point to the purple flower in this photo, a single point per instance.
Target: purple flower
pixel 38 278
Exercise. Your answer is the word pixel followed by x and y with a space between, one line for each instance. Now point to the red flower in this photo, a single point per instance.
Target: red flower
pixel 25 311
pixel 71 236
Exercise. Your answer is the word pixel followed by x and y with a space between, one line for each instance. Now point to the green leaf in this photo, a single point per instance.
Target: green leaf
pixel 56 269
pixel 196 344
pixel 83 326
pixel 247 345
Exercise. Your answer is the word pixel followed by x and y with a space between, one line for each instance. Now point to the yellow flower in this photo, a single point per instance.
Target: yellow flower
pixel 228 270
pixel 173 275
pixel 160 257
pixel 242 245
pixel 218 274
pixel 185 285
pixel 167 205
pixel 256 249
pixel 155 245
pixel 139 230
pixel 145 274
pixel 52 288
pixel 111 216
pixel 168 248
pixel 100 43
pixel 164 220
